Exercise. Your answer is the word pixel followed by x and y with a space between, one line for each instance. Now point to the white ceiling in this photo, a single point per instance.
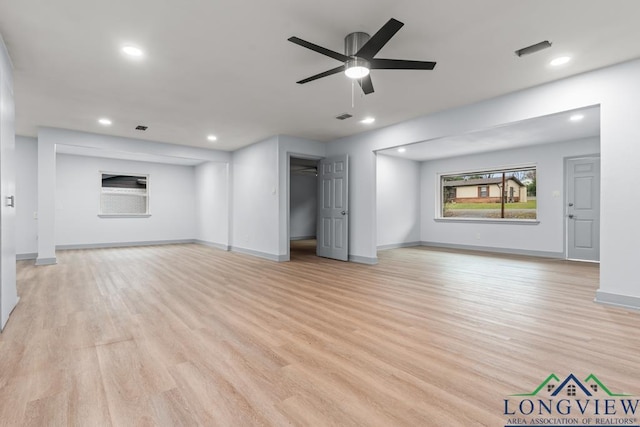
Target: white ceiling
pixel 226 67
pixel 541 130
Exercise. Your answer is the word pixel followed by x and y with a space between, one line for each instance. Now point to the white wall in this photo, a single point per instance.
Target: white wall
pixel 362 191
pixel 26 197
pixel 303 206
pixel 171 203
pixel 255 199
pixel 260 202
pixel 8 293
pixel 616 89
pixel 48 138
pixel 398 201
pixel 544 238
pixel 212 204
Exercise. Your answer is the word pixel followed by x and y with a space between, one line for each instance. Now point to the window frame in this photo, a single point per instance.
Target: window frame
pixel 439 194
pixel 147 214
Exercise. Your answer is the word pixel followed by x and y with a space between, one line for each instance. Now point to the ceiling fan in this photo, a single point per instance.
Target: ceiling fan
pixel 359 52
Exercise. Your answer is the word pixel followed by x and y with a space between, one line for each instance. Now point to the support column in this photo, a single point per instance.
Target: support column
pixel 46 202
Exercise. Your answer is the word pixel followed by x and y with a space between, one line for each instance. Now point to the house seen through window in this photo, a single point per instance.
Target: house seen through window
pixel 503 194
pixel 124 194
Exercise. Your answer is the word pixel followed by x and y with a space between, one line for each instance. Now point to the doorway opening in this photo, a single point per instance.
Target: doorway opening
pixel 303 207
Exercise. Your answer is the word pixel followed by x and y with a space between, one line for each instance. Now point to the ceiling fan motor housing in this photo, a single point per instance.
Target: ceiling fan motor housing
pixel 354 41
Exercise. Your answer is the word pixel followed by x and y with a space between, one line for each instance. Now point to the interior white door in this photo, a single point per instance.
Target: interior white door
pixel 333 204
pixel 583 209
pixel 8 294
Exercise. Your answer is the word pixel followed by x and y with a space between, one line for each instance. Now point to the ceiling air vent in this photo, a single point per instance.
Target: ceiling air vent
pixel 141 127
pixel 344 116
pixel 533 48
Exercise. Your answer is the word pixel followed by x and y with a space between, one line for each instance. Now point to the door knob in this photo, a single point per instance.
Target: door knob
pixel 571 204
pixel 343 212
pixel 570 216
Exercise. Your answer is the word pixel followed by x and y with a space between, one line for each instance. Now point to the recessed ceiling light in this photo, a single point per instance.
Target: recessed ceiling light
pixel 401 150
pixel 132 51
pixel 104 122
pixel 368 120
pixel 560 61
pixel 576 117
pixel 212 138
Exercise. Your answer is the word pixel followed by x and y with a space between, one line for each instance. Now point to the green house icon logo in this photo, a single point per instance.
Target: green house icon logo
pixel 571 386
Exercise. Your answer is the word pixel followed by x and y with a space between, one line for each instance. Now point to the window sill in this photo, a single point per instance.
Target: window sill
pixel 124 215
pixel 490 220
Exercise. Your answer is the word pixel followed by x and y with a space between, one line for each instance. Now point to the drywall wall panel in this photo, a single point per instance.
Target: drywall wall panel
pixel 26 196
pixel 78 182
pixel 398 201
pixel 212 203
pixel 255 199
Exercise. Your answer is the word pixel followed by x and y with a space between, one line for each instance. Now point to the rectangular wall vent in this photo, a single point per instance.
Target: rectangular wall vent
pixel 344 116
pixel 141 127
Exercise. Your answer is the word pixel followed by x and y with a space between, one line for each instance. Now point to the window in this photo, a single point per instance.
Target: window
pixel 571 390
pixel 123 194
pixel 493 194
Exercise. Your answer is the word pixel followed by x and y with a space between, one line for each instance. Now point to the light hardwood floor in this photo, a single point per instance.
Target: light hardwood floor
pixel 190 335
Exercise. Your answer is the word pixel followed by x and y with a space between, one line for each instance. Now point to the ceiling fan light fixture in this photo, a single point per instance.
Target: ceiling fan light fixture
pixel 357 68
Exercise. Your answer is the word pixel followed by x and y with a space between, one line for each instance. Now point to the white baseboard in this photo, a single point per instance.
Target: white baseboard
pixel 542 254
pixel 23 257
pixel 264 255
pixel 399 245
pixel 624 301
pixel 46 261
pixel 123 244
pixel 213 244
pixel 363 259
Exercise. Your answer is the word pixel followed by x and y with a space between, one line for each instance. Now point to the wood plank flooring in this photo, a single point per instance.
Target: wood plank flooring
pixel 190 335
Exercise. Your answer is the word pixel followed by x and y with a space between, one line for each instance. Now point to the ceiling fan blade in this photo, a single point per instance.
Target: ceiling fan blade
pixel 400 64
pixel 324 51
pixel 366 84
pixel 379 39
pixel 321 75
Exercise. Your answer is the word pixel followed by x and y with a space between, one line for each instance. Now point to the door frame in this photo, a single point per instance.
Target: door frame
pixel 290 154
pixel 565 201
